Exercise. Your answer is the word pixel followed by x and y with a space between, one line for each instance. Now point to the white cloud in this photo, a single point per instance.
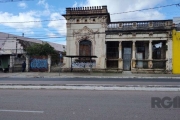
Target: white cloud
pixel 41 2
pixel 118 6
pixel 44 3
pixel 59 25
pixel 51 34
pixel 22 5
pixel 75 4
pixel 47 11
pixel 10 20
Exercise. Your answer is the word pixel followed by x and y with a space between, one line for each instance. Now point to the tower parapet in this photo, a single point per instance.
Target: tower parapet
pixel 92 11
pixel 86 10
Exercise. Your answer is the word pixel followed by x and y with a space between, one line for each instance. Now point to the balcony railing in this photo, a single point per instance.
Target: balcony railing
pixel 134 25
pixel 157 64
pixel 87 10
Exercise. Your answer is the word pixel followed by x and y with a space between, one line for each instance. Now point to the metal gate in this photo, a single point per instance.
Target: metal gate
pixel 139 56
pixel 39 63
pixel 127 59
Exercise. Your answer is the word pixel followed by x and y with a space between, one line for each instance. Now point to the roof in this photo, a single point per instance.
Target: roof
pixel 4 36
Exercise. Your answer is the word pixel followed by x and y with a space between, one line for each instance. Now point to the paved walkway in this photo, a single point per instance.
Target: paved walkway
pixel 34 85
pixel 85 75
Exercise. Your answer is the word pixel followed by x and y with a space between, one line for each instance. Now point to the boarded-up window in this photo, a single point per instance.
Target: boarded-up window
pixel 85 48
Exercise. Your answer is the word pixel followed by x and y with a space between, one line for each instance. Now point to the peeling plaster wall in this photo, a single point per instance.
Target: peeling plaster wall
pixel 169 56
pixel 78 32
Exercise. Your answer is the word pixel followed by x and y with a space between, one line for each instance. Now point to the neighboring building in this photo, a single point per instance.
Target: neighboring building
pixel 176 46
pixel 12 45
pixel 137 46
pixel 176 21
pixel 175 52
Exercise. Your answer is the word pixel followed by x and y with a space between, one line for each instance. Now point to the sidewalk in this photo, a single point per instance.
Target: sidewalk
pixel 85 75
pixel 77 86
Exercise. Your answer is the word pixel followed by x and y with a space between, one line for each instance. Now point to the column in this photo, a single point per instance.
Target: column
pixel 11 61
pixel 169 55
pixel 150 50
pixel 27 63
pixel 120 61
pixel 150 64
pixel 134 50
pixel 105 55
pixel 49 63
pixel 120 49
pixel 133 62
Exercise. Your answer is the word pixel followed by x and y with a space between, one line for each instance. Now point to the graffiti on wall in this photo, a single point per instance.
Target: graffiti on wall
pixel 83 64
pixel 37 64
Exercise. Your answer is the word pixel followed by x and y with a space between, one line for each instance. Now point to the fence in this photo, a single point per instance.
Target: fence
pixel 39 63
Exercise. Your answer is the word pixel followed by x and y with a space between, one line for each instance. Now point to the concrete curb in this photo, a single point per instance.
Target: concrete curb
pixel 174 88
pixel 90 77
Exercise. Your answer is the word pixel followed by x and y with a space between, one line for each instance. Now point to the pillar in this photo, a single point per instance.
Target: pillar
pixel 133 54
pixel 134 50
pixel 120 61
pixel 49 63
pixel 169 52
pixel 105 55
pixel 11 63
pixel 120 49
pixel 150 50
pixel 150 64
pixel 27 63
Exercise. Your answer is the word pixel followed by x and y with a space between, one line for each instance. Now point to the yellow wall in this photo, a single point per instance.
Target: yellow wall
pixel 176 52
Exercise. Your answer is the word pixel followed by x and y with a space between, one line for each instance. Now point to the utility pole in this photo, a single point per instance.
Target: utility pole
pixel 16 45
pixel 60 56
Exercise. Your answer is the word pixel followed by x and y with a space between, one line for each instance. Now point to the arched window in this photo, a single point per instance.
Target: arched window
pixel 85 48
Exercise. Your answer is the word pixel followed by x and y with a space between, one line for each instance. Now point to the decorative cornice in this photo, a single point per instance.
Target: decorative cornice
pixel 85 30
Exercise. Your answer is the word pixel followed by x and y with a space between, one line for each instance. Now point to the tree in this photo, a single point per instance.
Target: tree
pixel 43 50
pixel 40 50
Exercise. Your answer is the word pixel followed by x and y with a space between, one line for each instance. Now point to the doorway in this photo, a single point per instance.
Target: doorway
pixel 127 55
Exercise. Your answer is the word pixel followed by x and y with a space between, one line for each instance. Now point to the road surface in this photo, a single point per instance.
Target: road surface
pixel 116 81
pixel 83 105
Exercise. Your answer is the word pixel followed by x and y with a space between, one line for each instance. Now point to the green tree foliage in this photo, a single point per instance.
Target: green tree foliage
pixel 40 50
pixel 43 50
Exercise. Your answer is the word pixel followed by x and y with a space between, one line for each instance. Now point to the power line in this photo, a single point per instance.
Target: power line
pixel 48 30
pixel 54 31
pixel 57 35
pixel 178 4
pixel 34 21
pixel 37 38
pixel 5 1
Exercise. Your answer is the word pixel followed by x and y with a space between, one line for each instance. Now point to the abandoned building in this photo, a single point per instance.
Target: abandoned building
pixel 12 51
pixel 136 46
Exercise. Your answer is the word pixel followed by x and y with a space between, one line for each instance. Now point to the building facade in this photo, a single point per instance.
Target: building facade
pixel 12 50
pixel 176 46
pixel 176 49
pixel 136 46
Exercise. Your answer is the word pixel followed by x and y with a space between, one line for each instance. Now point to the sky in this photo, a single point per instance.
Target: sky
pixel 42 19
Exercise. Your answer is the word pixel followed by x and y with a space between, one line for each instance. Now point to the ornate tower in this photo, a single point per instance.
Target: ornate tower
pixel 86 32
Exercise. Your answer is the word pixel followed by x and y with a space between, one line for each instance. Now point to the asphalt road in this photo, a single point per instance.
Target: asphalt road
pixel 83 105
pixel 117 81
